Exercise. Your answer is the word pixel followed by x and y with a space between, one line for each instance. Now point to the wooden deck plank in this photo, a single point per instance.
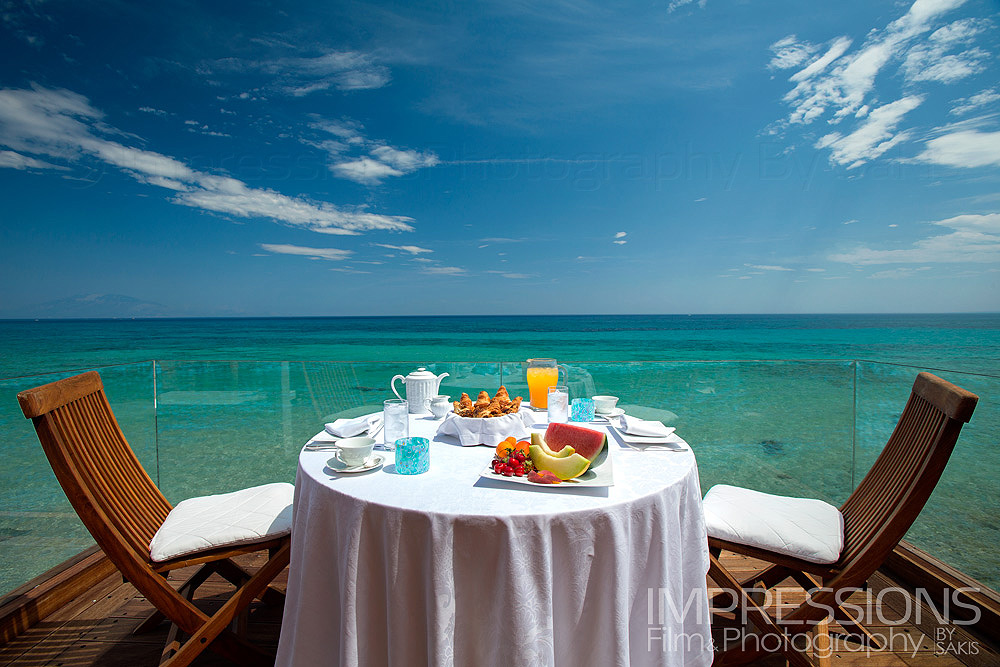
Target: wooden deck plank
pixel 96 629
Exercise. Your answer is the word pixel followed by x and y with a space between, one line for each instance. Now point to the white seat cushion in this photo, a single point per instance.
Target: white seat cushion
pixel 229 519
pixel 800 527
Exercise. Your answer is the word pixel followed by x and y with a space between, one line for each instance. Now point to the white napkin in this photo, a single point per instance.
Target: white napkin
pixel 348 428
pixel 472 431
pixel 636 426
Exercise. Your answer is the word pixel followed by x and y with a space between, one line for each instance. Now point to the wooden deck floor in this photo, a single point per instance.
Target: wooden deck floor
pixel 96 629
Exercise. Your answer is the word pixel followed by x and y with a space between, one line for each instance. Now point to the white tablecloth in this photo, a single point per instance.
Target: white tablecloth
pixel 444 568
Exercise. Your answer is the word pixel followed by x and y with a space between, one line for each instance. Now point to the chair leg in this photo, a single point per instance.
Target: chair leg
pixel 211 630
pixel 854 630
pixel 756 615
pixel 232 570
pixel 186 589
pixel 822 644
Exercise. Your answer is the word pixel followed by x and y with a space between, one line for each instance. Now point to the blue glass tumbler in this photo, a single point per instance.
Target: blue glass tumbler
pixel 413 455
pixel 582 410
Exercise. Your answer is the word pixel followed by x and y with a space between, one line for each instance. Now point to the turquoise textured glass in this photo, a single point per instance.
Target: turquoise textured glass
pixel 413 455
pixel 582 410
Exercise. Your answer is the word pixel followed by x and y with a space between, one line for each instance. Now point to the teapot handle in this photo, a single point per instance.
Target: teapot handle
pixel 392 384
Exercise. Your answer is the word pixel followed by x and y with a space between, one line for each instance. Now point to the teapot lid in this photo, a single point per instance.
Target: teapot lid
pixel 421 374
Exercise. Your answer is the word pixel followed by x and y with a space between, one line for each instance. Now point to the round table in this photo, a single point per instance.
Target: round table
pixel 447 568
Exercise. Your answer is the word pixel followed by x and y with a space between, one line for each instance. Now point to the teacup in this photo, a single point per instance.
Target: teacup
pixel 355 451
pixel 604 404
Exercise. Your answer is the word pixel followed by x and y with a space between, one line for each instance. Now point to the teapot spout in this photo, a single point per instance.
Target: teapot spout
pixel 437 387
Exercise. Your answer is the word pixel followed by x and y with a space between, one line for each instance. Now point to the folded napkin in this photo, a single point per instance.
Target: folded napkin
pixel 348 428
pixel 487 431
pixel 636 426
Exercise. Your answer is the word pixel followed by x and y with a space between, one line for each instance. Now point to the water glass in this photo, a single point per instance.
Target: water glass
pixel 582 410
pixel 558 402
pixel 413 455
pixel 396 422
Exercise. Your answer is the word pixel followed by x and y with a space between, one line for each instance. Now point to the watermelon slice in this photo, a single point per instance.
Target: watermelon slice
pixel 588 443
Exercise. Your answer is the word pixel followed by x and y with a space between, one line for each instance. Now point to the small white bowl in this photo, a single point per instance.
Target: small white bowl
pixel 604 404
pixel 355 451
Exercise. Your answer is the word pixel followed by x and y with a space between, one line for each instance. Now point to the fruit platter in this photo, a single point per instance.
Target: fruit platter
pixel 565 456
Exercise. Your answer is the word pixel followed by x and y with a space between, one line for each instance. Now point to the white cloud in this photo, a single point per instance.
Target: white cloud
pixel 364 170
pixel 381 162
pixel 298 76
pixel 412 249
pixel 768 267
pixel 444 270
pixel 404 161
pixel 851 221
pixel 346 129
pixel 897 274
pixel 62 124
pixel 677 4
pixel 840 84
pixel 13 160
pixel 974 238
pixel 789 52
pixel 347 269
pixel 513 276
pixel 332 254
pixel 873 137
pixel 816 270
pixel 966 104
pixel 621 235
pixel 620 242
pixel 964 148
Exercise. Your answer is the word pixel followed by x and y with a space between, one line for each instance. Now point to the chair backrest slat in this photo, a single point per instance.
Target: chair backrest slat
pixel 889 498
pixel 103 479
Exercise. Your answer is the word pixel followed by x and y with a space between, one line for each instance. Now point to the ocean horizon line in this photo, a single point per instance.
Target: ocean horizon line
pixel 489 315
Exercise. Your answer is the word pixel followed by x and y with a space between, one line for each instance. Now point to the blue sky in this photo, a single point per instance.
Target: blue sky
pixel 315 158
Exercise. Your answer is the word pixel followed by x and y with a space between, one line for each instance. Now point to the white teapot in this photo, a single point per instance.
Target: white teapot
pixel 421 385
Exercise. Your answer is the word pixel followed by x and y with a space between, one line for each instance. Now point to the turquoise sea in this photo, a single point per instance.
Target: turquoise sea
pixel 794 404
pixel 958 342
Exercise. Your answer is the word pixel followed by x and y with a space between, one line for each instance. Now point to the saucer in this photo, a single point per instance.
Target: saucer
pixel 615 412
pixel 372 462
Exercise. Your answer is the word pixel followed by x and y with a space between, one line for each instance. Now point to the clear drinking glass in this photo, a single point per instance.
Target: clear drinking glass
pixel 558 402
pixel 396 422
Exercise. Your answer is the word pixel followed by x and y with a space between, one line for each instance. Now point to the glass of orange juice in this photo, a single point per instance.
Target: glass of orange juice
pixel 542 374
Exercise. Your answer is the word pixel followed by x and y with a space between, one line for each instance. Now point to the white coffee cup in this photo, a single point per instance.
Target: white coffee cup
pixel 355 451
pixel 604 404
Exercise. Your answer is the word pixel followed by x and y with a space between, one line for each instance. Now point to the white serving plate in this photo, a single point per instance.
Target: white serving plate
pixel 600 474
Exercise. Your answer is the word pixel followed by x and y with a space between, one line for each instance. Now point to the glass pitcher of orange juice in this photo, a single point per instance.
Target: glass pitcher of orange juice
pixel 542 374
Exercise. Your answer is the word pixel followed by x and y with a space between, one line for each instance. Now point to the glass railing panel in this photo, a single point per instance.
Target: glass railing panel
pixel 223 426
pixel 228 425
pixel 959 523
pixel 38 527
pixel 776 426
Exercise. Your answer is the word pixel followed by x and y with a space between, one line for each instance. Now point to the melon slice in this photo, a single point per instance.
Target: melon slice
pixel 536 439
pixel 587 442
pixel 566 467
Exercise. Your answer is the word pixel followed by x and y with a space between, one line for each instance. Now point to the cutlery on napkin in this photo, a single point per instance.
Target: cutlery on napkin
pixel 348 428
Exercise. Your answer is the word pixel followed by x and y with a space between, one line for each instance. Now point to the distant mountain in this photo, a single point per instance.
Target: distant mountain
pixel 117 306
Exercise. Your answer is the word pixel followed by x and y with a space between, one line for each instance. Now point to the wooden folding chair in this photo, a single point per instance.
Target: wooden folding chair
pixel 827 552
pixel 124 510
